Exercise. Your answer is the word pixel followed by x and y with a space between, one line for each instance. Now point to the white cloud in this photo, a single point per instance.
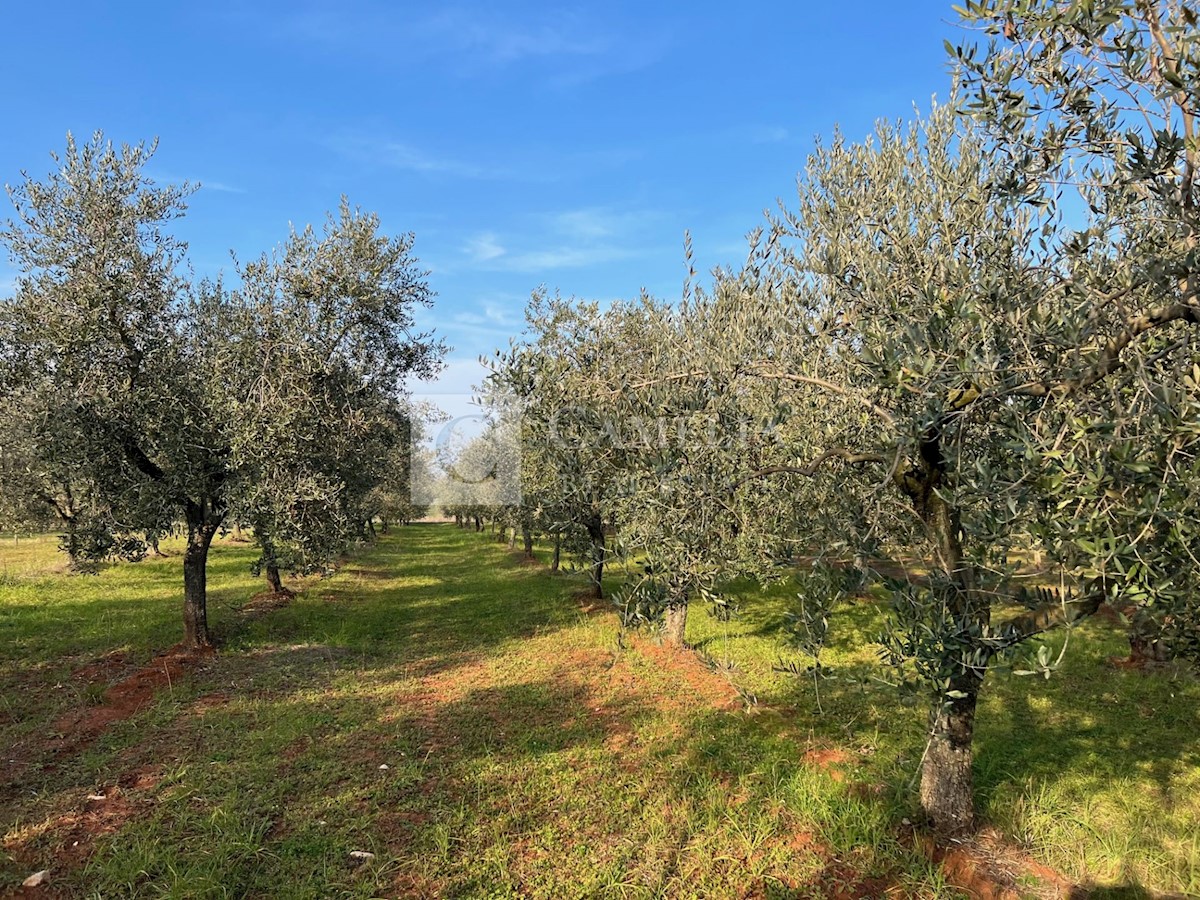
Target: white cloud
pixel 470 39
pixel 565 258
pixel 407 157
pixel 205 184
pixel 769 134
pixel 483 35
pixel 219 186
pixel 569 239
pixel 484 247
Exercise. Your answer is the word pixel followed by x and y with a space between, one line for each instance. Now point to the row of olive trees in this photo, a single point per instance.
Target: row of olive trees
pixel 968 336
pixel 136 397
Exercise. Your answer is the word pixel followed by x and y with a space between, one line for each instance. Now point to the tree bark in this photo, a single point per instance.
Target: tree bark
pixel 512 538
pixel 557 555
pixel 595 530
pixel 947 783
pixel 202 524
pixel 527 537
pixel 674 627
pixel 383 525
pixel 273 579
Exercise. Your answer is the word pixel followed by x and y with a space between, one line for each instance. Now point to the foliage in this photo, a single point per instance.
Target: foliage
pixel 144 398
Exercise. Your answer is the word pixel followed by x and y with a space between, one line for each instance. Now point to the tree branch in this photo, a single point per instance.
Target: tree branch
pixel 832 387
pixel 1110 354
pixel 847 456
pixel 1053 612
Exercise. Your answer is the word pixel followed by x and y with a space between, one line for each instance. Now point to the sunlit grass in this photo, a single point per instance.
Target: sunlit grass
pixel 1097 770
pixel 451 710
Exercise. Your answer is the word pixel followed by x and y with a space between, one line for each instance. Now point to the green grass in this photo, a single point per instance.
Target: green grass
pixel 1096 770
pixel 527 754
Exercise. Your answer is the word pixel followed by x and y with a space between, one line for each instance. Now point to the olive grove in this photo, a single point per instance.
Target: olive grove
pixel 967 342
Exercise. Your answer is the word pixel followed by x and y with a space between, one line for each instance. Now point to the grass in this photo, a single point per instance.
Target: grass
pixel 1096 770
pixel 450 710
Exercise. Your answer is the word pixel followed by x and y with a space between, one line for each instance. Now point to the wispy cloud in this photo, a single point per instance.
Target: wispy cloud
pixel 566 240
pixel 406 156
pixel 484 247
pixel 471 39
pixel 219 186
pixel 205 184
pixel 486 36
pixel 566 258
pixel 410 158
pixel 769 134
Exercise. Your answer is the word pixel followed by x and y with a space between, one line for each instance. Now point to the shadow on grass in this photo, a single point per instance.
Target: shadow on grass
pixel 385 664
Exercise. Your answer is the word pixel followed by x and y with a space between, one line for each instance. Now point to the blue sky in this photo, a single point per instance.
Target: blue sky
pixel 525 144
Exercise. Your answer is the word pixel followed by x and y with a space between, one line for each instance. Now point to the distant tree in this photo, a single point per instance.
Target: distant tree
pixel 556 376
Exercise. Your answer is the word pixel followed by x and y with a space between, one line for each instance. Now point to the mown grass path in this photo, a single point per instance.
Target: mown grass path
pixel 449 709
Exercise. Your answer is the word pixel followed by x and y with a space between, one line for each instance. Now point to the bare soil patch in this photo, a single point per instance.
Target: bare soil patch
pixel 123 699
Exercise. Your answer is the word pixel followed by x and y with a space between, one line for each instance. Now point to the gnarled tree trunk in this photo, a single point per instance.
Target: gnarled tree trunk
pixel 527 537
pixel 947 782
pixel 554 563
pixel 273 579
pixel 674 627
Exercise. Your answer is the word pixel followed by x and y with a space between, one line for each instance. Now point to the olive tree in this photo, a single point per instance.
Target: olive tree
pixel 554 375
pixel 1093 106
pixel 159 398
pixel 96 330
pixel 327 330
pixel 903 331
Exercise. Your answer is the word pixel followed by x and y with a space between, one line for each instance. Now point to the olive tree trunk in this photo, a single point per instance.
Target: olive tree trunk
pixel 947 782
pixel 674 626
pixel 202 525
pixel 527 537
pixel 595 530
pixel 273 579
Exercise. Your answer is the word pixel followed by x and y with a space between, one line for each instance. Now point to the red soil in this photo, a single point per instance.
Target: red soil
pixel 124 698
